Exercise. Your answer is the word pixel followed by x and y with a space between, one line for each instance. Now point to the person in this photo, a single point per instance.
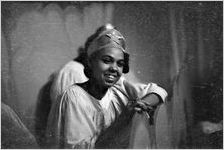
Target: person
pixel 71 73
pixel 86 110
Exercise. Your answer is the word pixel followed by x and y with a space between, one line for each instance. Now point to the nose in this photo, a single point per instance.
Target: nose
pixel 113 67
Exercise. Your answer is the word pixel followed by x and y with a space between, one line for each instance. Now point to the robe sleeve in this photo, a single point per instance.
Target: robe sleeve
pixel 139 91
pixel 70 124
pixel 70 74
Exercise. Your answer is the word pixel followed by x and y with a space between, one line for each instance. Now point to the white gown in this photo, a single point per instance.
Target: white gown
pixel 77 118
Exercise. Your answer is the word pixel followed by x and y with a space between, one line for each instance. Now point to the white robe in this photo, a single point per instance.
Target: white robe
pixel 70 73
pixel 77 119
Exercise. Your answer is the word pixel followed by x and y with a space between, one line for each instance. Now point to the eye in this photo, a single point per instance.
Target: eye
pixel 107 60
pixel 120 63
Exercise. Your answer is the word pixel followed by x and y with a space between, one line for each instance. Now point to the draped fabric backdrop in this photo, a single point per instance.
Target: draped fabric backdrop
pixel 177 45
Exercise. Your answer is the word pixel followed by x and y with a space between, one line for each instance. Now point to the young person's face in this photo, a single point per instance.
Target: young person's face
pixel 107 66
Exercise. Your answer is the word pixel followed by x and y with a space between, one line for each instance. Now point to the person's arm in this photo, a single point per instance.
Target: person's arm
pixel 152 100
pixel 139 91
pixel 142 96
pixel 69 124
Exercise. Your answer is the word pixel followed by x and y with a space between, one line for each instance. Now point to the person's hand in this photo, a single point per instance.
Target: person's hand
pixel 210 127
pixel 146 104
pixel 141 106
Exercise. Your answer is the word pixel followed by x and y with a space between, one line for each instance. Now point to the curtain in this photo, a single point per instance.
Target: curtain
pixel 195 30
pixel 181 94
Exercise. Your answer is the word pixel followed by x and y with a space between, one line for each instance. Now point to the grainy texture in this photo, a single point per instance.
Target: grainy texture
pixel 175 44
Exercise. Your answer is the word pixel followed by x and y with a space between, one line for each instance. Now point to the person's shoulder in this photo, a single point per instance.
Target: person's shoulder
pixel 72 67
pixel 73 88
pixel 72 92
pixel 72 64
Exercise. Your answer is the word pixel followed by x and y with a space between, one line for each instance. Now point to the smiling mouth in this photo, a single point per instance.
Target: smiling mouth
pixel 110 77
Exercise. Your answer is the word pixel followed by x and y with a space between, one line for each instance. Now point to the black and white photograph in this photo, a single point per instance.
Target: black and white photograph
pixel 112 74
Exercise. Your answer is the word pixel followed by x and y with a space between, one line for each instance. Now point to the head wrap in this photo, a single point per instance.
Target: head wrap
pixel 109 37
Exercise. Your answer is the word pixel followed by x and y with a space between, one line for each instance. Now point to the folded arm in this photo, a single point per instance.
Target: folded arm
pixel 142 97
